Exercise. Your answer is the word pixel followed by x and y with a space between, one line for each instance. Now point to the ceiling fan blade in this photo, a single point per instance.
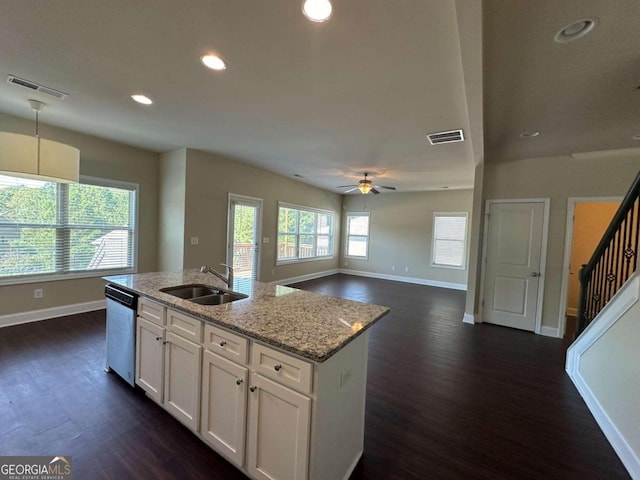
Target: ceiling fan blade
pixel 351 190
pixel 374 191
pixel 387 188
pixel 346 186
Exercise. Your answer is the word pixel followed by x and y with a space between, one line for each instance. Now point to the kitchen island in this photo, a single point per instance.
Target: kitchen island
pixel 274 382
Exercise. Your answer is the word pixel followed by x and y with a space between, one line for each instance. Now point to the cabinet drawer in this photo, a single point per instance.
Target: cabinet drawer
pixel 184 325
pixel 287 370
pixel 152 311
pixel 227 344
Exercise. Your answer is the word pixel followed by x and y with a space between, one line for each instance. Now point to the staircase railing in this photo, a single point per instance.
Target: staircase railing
pixel 614 260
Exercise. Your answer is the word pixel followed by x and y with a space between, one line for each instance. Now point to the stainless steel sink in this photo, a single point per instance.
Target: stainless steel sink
pixel 191 291
pixel 218 299
pixel 203 294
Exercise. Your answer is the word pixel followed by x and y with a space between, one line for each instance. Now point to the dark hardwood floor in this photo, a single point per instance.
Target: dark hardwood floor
pixel 445 400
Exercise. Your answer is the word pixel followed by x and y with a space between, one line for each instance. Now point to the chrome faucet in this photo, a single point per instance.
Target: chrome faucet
pixel 228 279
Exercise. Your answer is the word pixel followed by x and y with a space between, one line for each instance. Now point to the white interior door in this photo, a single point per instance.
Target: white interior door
pixel 243 237
pixel 513 274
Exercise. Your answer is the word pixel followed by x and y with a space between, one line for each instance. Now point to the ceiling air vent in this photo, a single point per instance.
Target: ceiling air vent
pixel 451 136
pixel 36 87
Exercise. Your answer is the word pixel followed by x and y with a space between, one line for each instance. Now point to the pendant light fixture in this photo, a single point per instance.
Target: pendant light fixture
pixel 37 158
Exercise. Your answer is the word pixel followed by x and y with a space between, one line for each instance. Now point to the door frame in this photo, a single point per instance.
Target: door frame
pixel 235 196
pixel 568 240
pixel 538 329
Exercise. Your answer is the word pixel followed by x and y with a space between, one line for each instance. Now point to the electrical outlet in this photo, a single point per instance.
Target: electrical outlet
pixel 346 264
pixel 265 239
pixel 393 268
pixel 345 376
pixel 406 269
pixel 38 293
pixel 273 272
pixel 194 240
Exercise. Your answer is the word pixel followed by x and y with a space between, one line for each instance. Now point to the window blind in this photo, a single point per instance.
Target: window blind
pixel 49 228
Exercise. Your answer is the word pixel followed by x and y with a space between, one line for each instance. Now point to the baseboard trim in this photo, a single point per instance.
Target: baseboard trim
pixel 47 313
pixel 622 301
pixel 399 278
pixel 549 331
pixel 310 276
pixel 626 454
pixel 469 318
pixel 353 466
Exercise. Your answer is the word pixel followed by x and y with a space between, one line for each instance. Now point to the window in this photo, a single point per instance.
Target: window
pixel 449 240
pixel 304 233
pixel 62 230
pixel 357 235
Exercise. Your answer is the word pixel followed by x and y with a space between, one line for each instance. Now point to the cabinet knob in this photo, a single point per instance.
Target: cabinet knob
pixel 239 381
pixel 277 367
pixel 158 338
pixel 223 343
pixel 165 342
pixel 252 388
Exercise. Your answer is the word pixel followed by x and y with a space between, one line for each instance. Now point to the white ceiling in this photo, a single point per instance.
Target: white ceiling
pixel 330 101
pixel 582 96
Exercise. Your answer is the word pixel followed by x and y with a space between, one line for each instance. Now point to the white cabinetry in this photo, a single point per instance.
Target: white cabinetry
pixel 168 365
pixel 279 424
pixel 182 379
pixel 150 333
pixel 274 415
pixel 224 406
pixel 150 358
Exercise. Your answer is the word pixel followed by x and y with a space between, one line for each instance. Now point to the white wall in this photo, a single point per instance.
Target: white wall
pixel 171 208
pixel 603 364
pixel 401 233
pixel 209 180
pixel 557 178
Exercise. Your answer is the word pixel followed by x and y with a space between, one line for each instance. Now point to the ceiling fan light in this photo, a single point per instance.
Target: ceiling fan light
pixel 364 188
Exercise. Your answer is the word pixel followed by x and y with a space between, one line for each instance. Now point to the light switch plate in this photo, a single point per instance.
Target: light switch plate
pixel 265 239
pixel 194 240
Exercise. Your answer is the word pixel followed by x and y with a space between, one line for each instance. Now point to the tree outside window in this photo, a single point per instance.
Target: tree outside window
pixel 357 228
pixel 49 229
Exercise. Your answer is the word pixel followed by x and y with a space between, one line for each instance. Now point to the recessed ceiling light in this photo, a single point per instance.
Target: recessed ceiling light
pixel 213 62
pixel 143 99
pixel 575 30
pixel 636 137
pixel 317 10
pixel 530 134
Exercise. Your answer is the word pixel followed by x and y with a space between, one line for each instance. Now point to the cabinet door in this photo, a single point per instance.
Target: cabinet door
pixel 279 418
pixel 182 366
pixel 224 405
pixel 149 358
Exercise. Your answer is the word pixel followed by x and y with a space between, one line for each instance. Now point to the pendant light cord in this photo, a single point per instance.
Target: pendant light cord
pixel 38 139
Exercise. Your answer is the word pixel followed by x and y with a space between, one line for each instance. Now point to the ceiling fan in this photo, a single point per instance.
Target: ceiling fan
pixel 365 186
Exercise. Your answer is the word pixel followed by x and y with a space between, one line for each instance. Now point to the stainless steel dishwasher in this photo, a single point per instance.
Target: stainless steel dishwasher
pixel 121 332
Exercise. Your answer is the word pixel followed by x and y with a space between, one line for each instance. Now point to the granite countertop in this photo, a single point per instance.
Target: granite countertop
pixel 307 324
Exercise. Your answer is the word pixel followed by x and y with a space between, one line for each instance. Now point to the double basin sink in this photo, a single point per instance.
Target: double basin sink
pixel 203 294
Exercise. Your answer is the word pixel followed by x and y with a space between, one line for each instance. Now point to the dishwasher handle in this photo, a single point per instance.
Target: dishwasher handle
pixel 123 297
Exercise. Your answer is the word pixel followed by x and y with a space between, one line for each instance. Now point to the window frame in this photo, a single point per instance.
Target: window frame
pixel 464 240
pixel 331 235
pixel 70 275
pixel 347 235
